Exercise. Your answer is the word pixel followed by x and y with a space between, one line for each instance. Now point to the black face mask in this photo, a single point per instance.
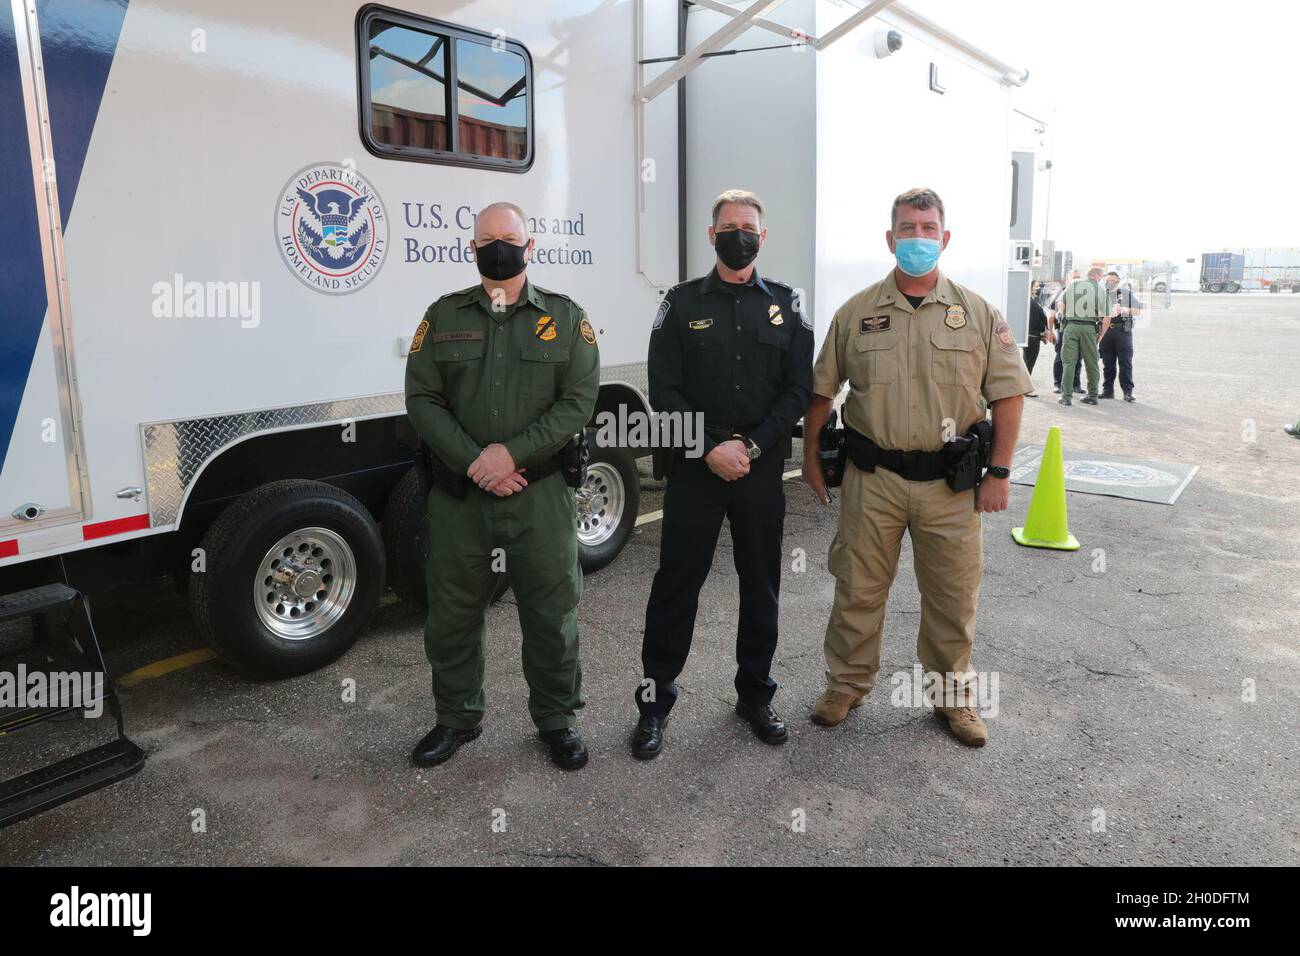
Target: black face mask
pixel 737 248
pixel 500 260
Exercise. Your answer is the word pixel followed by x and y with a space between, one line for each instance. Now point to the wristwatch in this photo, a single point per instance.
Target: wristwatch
pixel 751 446
pixel 997 471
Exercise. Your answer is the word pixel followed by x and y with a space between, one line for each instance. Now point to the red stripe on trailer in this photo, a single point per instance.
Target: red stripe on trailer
pixel 8 548
pixel 104 529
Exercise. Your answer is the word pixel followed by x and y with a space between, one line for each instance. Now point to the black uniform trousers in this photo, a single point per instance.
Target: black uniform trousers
pixel 1117 347
pixel 695 503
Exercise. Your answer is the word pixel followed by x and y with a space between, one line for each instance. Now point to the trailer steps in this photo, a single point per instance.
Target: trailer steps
pixel 65 642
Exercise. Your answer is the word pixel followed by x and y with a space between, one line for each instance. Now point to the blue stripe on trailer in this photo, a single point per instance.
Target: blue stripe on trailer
pixel 78 41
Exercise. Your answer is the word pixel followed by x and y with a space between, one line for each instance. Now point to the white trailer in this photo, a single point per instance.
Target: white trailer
pixel 226 219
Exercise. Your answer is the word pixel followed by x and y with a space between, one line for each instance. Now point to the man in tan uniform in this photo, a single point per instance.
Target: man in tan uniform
pixel 924 358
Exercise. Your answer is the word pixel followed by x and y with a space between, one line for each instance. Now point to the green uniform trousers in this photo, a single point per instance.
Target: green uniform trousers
pixel 1079 341
pixel 533 534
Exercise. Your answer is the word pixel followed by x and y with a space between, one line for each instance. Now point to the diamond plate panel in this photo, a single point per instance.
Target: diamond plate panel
pixel 633 373
pixel 175 452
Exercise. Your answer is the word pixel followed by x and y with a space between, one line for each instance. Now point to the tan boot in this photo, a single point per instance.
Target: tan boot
pixel 966 725
pixel 833 706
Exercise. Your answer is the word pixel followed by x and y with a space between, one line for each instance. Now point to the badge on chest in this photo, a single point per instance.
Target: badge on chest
pixel 698 324
pixel 955 317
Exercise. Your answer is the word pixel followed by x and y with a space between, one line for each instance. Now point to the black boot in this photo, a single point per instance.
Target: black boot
pixel 766 722
pixel 440 744
pixel 568 752
pixel 648 738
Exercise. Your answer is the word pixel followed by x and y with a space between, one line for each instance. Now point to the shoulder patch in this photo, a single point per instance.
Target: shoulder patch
pixel 418 340
pixel 662 313
pixel 1006 341
pixel 588 333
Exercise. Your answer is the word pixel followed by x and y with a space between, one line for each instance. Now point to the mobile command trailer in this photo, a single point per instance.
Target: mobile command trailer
pixel 226 220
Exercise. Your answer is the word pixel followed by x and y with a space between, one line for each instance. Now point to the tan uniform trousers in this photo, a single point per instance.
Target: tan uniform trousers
pixel 947 547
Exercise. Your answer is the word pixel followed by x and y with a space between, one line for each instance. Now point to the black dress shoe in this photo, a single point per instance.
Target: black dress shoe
pixel 1090 401
pixel 1129 397
pixel 648 738
pixel 568 752
pixel 1106 395
pixel 1064 401
pixel 440 744
pixel 767 723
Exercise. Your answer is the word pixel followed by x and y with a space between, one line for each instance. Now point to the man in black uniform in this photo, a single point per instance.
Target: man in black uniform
pixel 1117 343
pixel 736 349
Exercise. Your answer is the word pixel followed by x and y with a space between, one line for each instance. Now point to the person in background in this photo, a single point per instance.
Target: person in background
pixel 1117 344
pixel 1037 329
pixel 1055 327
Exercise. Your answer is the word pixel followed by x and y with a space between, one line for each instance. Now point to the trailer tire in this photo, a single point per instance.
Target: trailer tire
pixel 1231 287
pixel 1160 287
pixel 267 620
pixel 406 549
pixel 1216 287
pixel 607 505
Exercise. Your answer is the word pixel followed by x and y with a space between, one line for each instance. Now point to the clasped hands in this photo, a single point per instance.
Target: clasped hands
pixel 494 471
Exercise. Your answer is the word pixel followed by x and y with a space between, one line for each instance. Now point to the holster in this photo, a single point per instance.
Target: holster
pixel 436 473
pixel 970 455
pixel 830 451
pixel 573 459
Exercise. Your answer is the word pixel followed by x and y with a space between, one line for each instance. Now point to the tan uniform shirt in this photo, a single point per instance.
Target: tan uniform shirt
pixel 918 378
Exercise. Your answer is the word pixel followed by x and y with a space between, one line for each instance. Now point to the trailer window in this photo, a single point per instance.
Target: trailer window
pixel 437 93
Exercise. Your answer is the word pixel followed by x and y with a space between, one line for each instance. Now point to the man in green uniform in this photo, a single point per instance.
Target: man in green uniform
pixel 1083 304
pixel 500 377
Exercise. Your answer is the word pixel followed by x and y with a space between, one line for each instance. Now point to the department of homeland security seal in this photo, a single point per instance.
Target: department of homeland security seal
pixel 331 228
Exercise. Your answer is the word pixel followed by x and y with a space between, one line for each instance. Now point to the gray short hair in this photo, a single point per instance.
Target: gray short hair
pixel 921 197
pixel 742 197
pixel 523 220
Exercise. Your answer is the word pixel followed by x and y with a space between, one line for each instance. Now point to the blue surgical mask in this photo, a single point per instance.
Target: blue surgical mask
pixel 917 257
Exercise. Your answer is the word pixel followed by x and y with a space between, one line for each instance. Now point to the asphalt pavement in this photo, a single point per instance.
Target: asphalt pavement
pixel 1147 712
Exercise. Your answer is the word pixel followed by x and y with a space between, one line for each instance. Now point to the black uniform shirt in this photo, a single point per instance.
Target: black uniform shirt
pixel 739 354
pixel 1125 298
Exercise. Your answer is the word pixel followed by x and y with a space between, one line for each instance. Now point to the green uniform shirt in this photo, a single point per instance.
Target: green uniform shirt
pixel 526 376
pixel 1085 299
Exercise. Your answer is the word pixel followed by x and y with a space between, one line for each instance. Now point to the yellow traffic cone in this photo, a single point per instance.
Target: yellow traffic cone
pixel 1046 525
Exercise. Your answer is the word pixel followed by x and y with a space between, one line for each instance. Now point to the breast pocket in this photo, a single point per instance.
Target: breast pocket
pixel 461 363
pixel 956 360
pixel 702 352
pixel 877 356
pixel 542 369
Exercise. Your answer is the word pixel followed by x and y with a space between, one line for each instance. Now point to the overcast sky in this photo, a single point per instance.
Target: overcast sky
pixel 1177 123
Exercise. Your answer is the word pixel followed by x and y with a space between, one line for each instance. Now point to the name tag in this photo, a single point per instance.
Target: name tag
pixel 874 323
pixel 456 336
pixel 698 324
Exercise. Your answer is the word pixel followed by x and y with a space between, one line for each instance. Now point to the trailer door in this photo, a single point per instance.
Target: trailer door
pixel 41 477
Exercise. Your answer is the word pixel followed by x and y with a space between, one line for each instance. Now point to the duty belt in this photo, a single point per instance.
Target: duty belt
pixel 912 465
pixel 1092 322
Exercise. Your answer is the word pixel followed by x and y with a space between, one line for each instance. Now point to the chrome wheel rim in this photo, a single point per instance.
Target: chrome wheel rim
pixel 304 583
pixel 600 503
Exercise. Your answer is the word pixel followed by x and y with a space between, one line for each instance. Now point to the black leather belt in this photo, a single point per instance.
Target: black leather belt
pixel 912 465
pixel 1092 322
